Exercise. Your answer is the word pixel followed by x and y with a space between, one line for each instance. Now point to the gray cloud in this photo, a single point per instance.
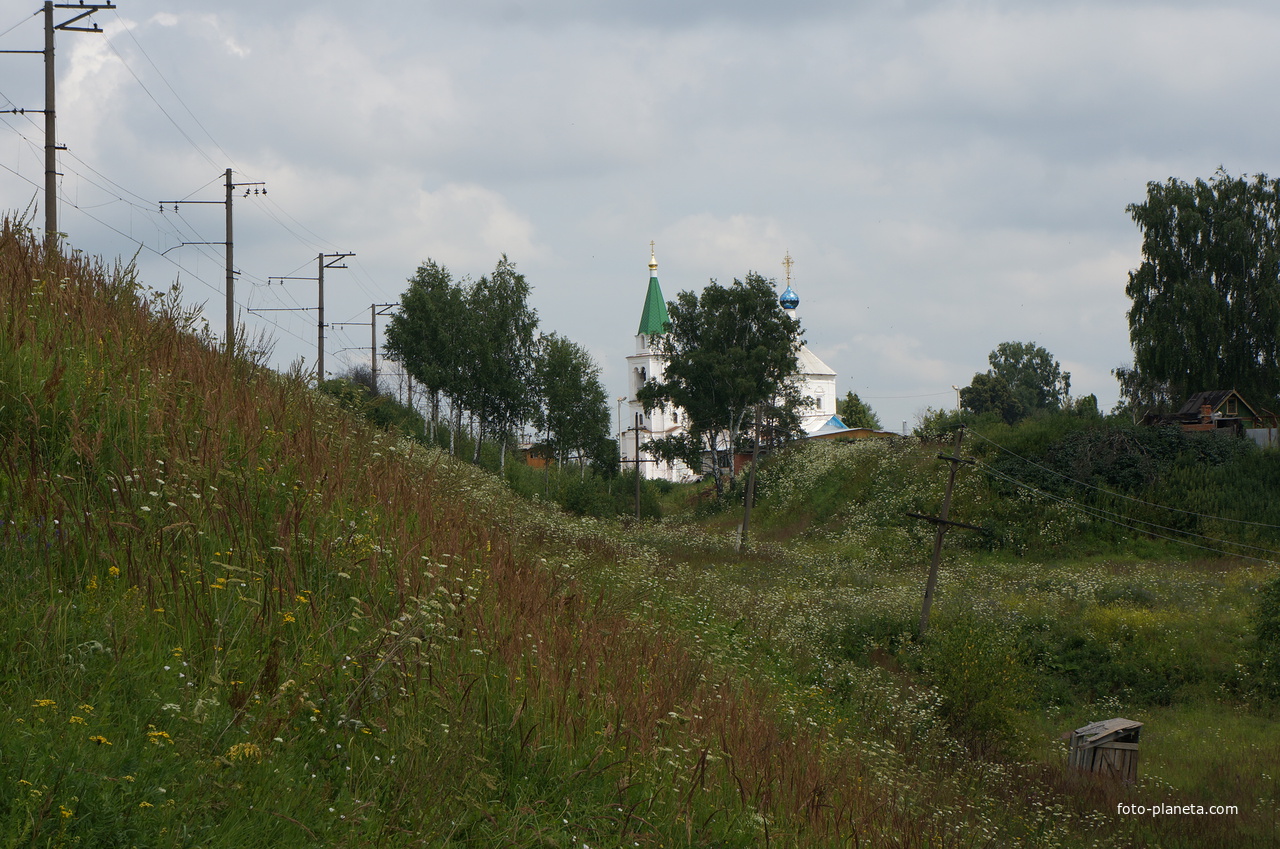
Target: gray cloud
pixel 947 175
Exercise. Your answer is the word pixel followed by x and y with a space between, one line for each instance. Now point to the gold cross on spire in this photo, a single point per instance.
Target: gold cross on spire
pixel 653 259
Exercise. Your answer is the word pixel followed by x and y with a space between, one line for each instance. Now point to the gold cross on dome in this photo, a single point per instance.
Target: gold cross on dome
pixel 787 262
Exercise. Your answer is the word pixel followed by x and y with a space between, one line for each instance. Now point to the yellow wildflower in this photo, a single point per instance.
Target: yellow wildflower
pixel 244 752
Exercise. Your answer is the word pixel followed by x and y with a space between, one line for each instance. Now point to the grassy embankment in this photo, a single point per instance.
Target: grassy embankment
pixel 234 616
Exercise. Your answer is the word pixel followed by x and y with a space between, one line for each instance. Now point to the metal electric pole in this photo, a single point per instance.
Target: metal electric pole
pixel 231 269
pixel 51 146
pixel 323 261
pixel 228 245
pixel 639 425
pixel 375 310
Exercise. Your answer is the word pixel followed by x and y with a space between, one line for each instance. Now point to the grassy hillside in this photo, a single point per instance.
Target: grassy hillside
pixel 234 615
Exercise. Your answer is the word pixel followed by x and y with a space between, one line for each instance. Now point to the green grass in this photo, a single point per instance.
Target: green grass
pixel 972 718
pixel 234 615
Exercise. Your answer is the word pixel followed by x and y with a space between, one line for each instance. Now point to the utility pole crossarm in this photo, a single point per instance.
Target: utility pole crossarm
pixel 948 522
pixel 66 26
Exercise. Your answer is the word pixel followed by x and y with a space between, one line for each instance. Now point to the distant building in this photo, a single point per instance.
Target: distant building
pixel 815 379
pixel 1222 411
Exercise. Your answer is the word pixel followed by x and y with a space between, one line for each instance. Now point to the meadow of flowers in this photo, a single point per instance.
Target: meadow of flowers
pixel 1021 649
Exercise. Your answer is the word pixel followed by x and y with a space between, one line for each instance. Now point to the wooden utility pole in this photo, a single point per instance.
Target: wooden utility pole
pixel 941 524
pixel 50 110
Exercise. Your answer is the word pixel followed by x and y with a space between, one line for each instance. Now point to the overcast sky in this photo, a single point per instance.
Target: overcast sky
pixel 946 175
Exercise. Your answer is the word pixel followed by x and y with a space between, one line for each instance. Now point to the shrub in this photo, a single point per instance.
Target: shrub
pixel 983 685
pixel 1266 628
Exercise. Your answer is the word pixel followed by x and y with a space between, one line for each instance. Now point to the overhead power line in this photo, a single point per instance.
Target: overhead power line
pixel 177 228
pixel 1121 495
pixel 1132 524
pixel 80 12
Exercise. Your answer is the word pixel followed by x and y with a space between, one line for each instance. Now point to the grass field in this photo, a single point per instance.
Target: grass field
pixel 234 615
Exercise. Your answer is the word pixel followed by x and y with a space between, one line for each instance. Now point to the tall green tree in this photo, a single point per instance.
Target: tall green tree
pixel 728 352
pixel 473 342
pixel 855 412
pixel 427 335
pixel 502 325
pixel 1206 298
pixel 991 394
pixel 573 409
pixel 1024 379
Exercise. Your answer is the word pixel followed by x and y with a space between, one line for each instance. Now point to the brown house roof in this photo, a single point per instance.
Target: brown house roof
pixel 1215 399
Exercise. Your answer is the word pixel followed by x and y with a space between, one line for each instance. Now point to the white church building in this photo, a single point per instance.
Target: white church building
pixel 817 383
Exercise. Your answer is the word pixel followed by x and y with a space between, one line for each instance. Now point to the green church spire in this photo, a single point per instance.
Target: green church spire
pixel 654 319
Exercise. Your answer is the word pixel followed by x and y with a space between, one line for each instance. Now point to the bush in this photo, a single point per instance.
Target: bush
pixel 982 683
pixel 1266 651
pixel 383 410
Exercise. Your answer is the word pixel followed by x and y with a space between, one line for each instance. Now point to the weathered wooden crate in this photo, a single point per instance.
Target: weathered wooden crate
pixel 1109 747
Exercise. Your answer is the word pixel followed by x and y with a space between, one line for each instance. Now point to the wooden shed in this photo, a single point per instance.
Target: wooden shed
pixel 1109 747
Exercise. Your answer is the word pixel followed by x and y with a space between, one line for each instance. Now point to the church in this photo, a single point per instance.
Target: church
pixel 816 380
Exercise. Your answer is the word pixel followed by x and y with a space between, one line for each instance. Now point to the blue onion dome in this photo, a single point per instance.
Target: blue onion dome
pixel 789 300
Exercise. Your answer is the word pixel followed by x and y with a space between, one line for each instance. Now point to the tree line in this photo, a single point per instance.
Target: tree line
pixel 1204 313
pixel 475 349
